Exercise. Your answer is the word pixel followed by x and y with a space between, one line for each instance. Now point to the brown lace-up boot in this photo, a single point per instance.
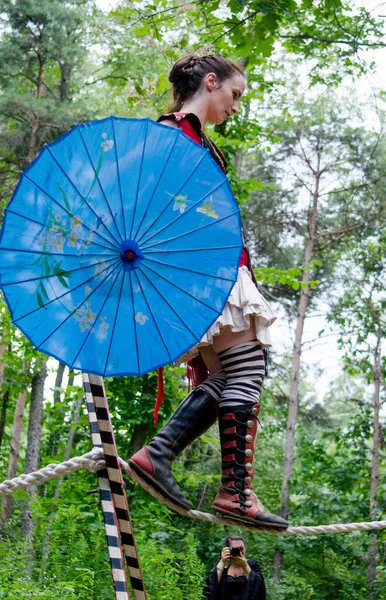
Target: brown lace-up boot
pixel 238 430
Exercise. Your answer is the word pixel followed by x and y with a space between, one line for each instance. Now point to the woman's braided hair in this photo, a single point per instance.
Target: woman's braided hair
pixel 188 72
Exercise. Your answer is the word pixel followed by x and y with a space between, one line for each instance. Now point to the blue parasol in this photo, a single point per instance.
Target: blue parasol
pixel 119 247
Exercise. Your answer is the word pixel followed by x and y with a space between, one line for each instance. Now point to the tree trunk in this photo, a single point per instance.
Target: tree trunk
pixel 71 433
pixel 71 377
pixel 33 147
pixel 58 382
pixel 373 548
pixel 65 71
pixel 33 141
pixel 33 440
pixel 3 414
pixel 67 454
pixel 54 434
pixel 240 155
pixel 14 451
pixel 140 430
pixel 3 348
pixel 5 397
pixel 293 403
pixel 138 438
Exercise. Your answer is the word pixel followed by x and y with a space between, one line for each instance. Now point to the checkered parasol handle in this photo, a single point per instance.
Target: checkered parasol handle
pixel 118 528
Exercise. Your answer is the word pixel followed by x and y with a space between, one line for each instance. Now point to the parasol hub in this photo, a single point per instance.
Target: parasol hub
pixel 131 255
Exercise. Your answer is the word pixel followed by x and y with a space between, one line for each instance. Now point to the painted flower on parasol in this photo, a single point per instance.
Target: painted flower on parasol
pixel 119 247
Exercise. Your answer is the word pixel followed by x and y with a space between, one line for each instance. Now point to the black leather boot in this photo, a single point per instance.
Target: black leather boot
pixel 152 463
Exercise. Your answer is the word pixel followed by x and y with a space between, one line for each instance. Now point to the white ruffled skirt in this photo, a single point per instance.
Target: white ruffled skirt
pixel 245 306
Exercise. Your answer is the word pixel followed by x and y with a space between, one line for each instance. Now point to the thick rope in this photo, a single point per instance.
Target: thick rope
pixel 197 514
pixel 94 462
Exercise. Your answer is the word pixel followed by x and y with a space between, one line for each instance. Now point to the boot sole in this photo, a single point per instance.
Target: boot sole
pixel 250 520
pixel 156 486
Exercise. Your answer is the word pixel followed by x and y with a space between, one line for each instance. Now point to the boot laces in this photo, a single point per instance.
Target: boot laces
pixel 241 437
pixel 242 503
pixel 246 502
pixel 245 422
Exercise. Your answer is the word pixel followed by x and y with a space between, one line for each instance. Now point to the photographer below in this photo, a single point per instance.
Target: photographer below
pixel 234 577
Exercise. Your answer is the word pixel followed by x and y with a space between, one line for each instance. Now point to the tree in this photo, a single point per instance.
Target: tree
pixel 41 43
pixel 330 32
pixel 325 164
pixel 34 435
pixel 360 314
pixel 14 451
pixel 17 379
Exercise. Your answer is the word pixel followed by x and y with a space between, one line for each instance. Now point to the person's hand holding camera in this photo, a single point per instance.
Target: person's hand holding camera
pixel 225 558
pixel 238 559
pixel 224 562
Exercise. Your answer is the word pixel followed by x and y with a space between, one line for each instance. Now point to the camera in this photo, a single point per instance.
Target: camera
pixel 235 551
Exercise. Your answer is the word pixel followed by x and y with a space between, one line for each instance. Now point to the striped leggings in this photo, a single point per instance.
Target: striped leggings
pixel 241 378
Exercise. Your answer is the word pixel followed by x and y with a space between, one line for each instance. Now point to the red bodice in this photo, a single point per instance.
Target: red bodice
pixel 187 127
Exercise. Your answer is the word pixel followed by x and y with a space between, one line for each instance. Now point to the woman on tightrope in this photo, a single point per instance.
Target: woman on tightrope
pixel 232 352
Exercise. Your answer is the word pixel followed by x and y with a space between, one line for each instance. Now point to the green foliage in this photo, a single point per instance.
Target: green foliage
pixel 181 572
pixel 76 536
pixel 330 32
pixel 290 277
pixel 359 312
pixel 77 565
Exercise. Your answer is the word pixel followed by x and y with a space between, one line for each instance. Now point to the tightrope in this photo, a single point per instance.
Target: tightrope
pixel 94 461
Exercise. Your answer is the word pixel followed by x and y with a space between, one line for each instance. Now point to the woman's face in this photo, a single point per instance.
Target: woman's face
pixel 224 96
pixel 238 544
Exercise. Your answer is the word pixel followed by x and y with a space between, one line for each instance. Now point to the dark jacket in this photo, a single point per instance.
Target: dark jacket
pixel 255 589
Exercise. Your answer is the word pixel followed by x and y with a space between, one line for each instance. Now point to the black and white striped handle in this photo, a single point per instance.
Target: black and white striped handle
pixel 119 531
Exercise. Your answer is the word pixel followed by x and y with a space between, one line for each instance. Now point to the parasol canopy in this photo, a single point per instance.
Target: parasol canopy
pixel 119 247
